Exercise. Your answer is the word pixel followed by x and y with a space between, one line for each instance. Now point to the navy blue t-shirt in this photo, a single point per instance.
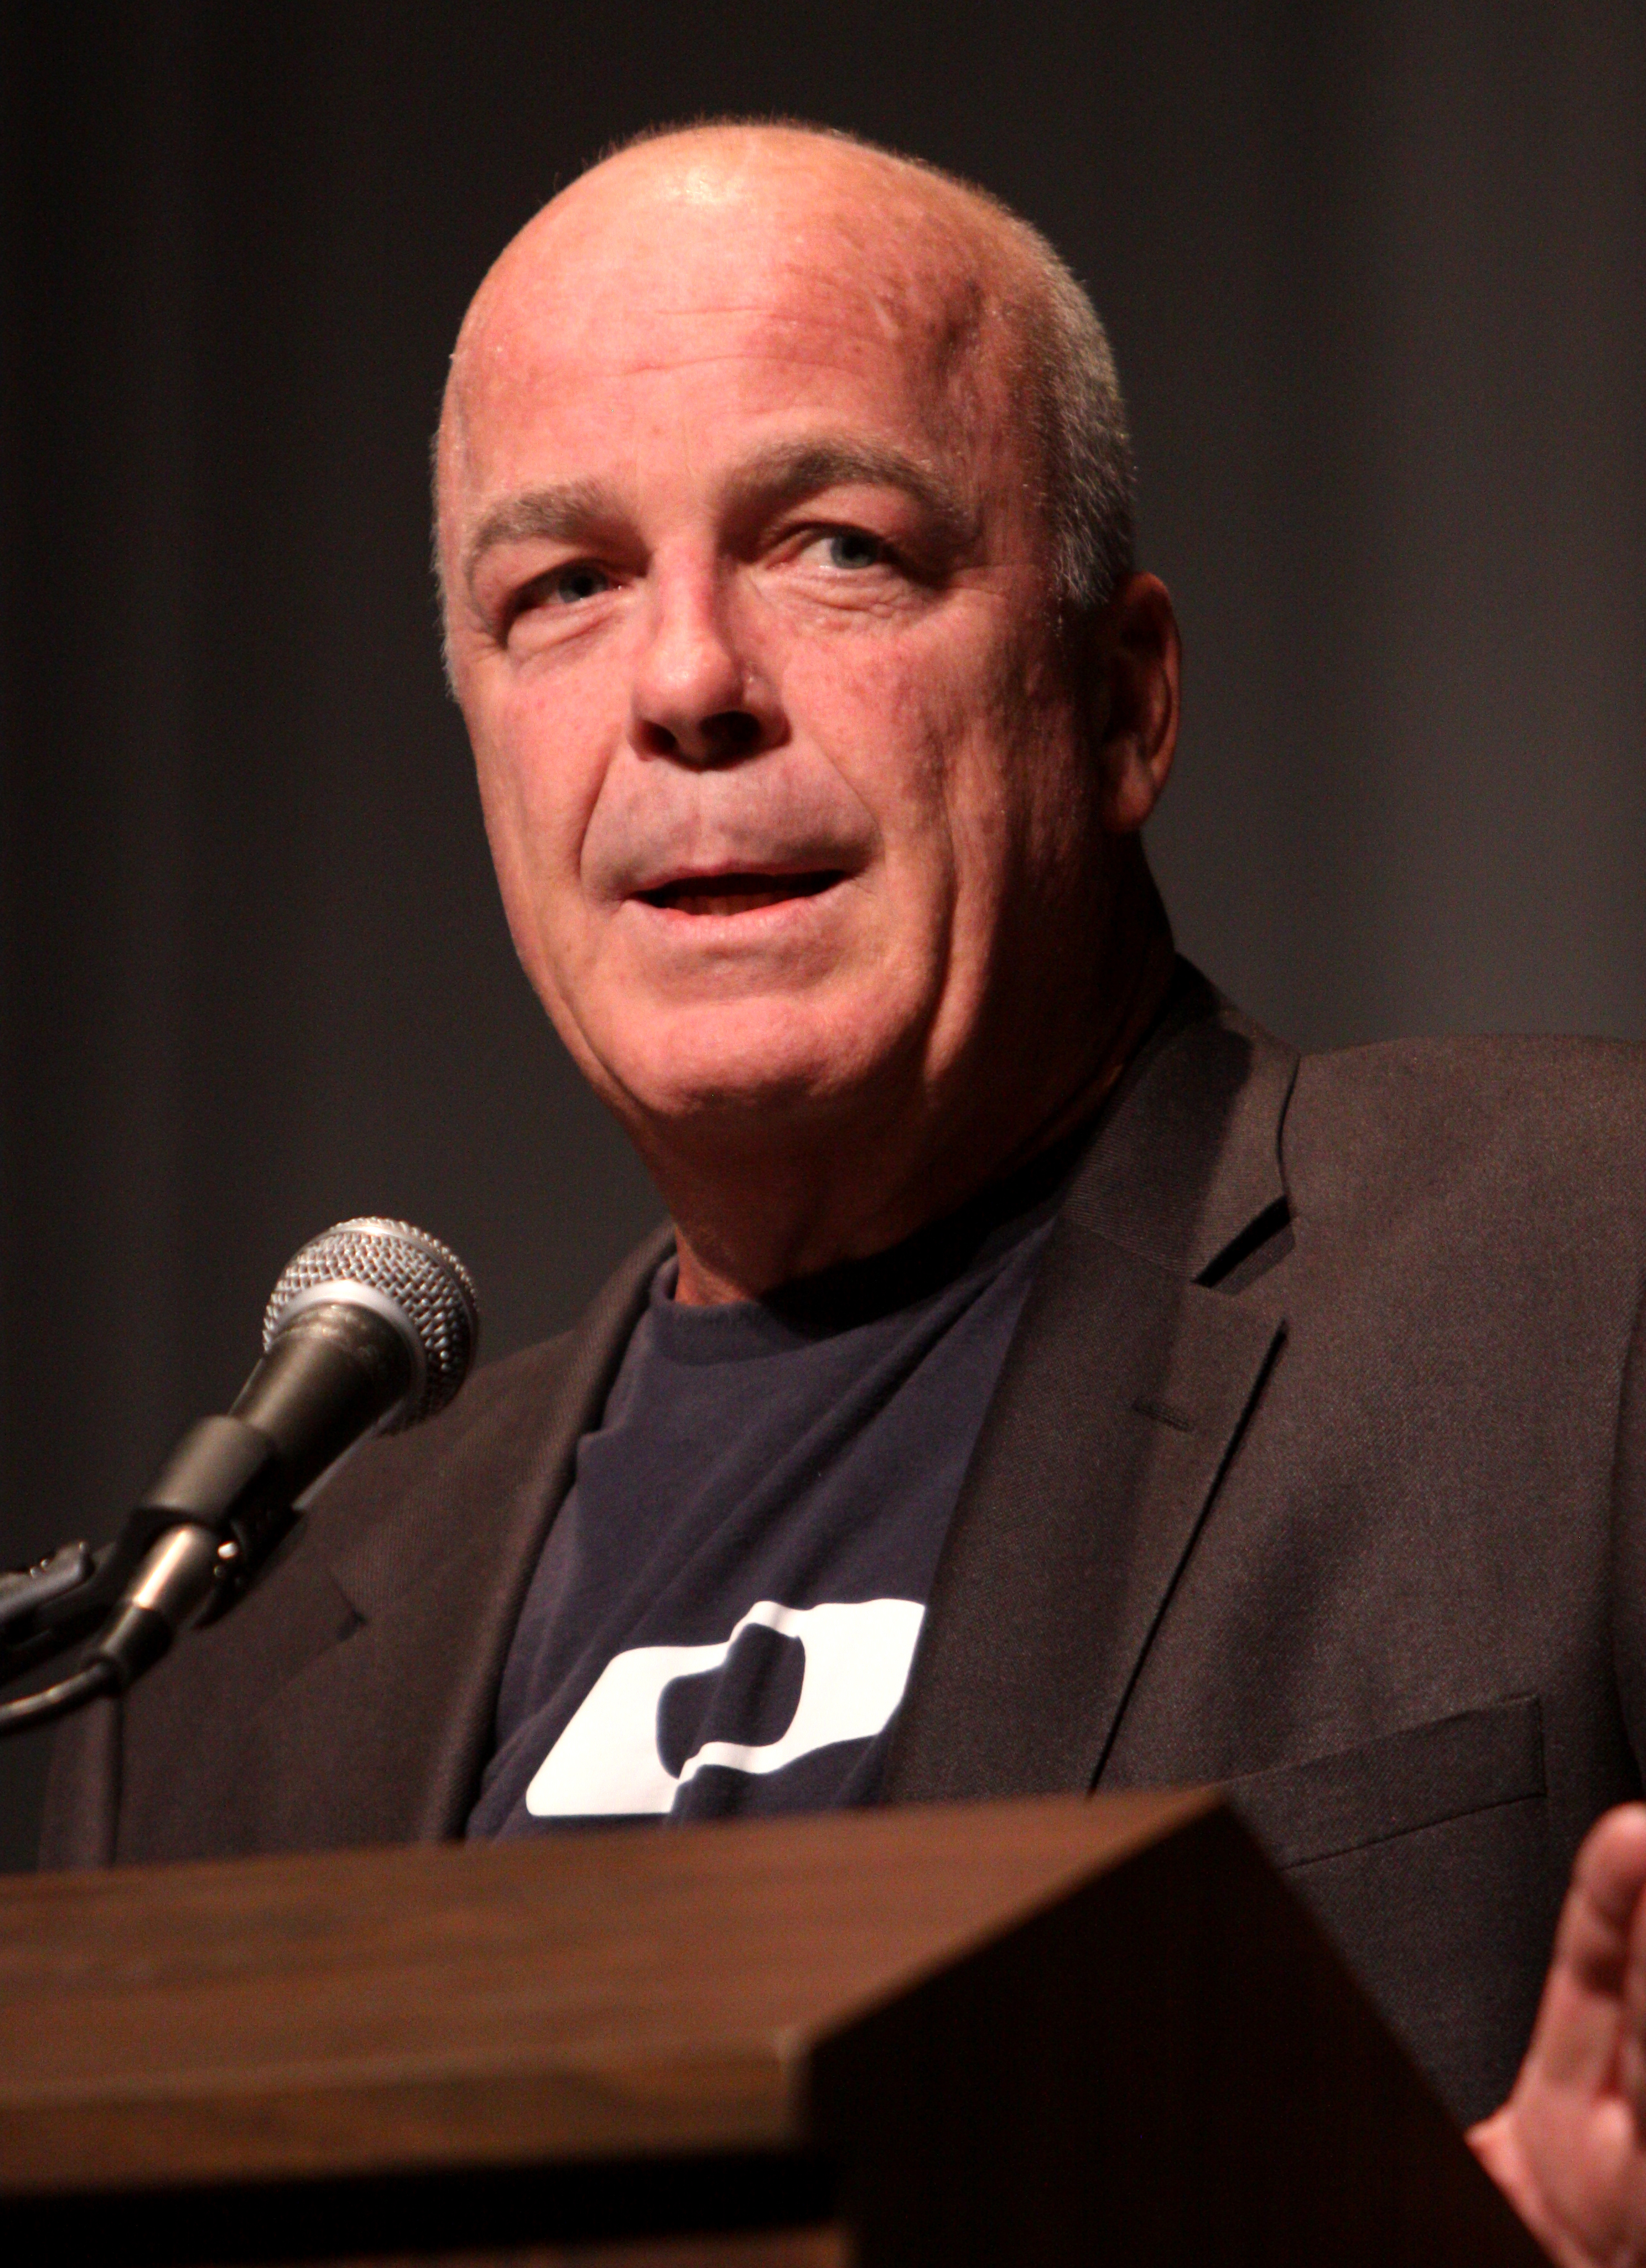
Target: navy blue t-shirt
pixel 727 1608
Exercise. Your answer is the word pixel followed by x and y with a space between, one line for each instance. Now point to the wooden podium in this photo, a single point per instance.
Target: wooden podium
pixel 1041 2032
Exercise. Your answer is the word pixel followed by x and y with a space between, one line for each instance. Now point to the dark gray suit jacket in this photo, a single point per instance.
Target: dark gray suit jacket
pixel 1317 1467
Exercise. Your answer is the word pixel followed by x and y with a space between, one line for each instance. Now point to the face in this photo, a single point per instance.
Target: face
pixel 751 620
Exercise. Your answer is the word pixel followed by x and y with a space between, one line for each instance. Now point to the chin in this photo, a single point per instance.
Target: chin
pixel 751 1078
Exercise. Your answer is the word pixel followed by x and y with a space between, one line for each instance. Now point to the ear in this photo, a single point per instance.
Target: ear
pixel 1136 670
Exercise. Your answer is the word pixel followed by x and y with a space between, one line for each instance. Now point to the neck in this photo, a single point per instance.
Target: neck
pixel 772 1209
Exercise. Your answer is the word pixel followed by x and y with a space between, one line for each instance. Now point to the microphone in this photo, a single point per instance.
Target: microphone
pixel 371 1328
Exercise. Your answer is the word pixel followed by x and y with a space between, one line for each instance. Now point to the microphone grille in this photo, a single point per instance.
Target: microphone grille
pixel 418 1275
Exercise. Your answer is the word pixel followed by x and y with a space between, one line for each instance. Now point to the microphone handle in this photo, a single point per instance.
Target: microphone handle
pixel 336 1369
pixel 229 1488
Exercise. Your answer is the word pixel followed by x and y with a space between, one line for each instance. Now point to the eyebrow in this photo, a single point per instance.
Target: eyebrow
pixel 791 470
pixel 556 515
pixel 773 478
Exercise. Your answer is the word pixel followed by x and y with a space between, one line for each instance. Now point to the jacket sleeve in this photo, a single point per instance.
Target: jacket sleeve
pixel 82 1816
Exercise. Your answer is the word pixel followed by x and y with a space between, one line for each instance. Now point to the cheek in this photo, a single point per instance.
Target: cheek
pixel 930 737
pixel 539 763
pixel 892 728
pixel 539 776
pixel 1027 788
pixel 989 809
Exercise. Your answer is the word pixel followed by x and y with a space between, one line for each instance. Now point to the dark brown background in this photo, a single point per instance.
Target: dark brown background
pixel 1376 275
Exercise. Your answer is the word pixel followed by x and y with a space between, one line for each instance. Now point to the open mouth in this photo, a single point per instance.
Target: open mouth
pixel 738 893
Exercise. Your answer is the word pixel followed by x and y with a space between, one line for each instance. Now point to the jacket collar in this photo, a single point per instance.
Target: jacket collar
pixel 1121 1401
pixel 1186 1159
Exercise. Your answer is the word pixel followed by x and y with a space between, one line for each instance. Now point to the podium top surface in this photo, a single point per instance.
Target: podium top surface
pixel 590 1994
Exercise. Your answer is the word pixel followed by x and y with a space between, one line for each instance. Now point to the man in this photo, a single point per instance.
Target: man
pixel 1049 1382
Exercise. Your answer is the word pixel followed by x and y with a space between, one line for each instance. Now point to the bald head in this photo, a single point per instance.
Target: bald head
pixel 973 291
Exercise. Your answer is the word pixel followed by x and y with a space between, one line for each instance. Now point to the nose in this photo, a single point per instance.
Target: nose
pixel 698 695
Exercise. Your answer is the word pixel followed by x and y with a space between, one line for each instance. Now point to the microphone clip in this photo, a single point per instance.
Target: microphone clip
pixel 225 1482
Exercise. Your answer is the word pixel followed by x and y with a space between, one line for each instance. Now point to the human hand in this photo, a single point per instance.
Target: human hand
pixel 1568 2148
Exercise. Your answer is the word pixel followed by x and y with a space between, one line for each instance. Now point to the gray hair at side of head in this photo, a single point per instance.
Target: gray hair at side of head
pixel 1084 444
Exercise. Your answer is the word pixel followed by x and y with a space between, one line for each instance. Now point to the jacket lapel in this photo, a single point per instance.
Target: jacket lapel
pixel 1121 1401
pixel 402 1709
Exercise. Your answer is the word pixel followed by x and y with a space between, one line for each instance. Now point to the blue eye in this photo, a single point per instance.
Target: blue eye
pixel 581 581
pixel 849 547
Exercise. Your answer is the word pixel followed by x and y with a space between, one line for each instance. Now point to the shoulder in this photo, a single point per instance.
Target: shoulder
pixel 1554 1128
pixel 1575 1094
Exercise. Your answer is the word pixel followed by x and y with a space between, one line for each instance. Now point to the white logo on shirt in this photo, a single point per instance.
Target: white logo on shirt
pixel 607 1762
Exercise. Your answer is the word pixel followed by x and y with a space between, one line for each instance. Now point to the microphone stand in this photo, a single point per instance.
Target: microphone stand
pixel 47 1610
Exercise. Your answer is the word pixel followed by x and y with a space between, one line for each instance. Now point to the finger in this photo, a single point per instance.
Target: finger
pixel 1581 2023
pixel 1632 2043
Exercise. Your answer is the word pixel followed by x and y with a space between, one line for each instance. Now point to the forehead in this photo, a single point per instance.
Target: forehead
pixel 659 303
